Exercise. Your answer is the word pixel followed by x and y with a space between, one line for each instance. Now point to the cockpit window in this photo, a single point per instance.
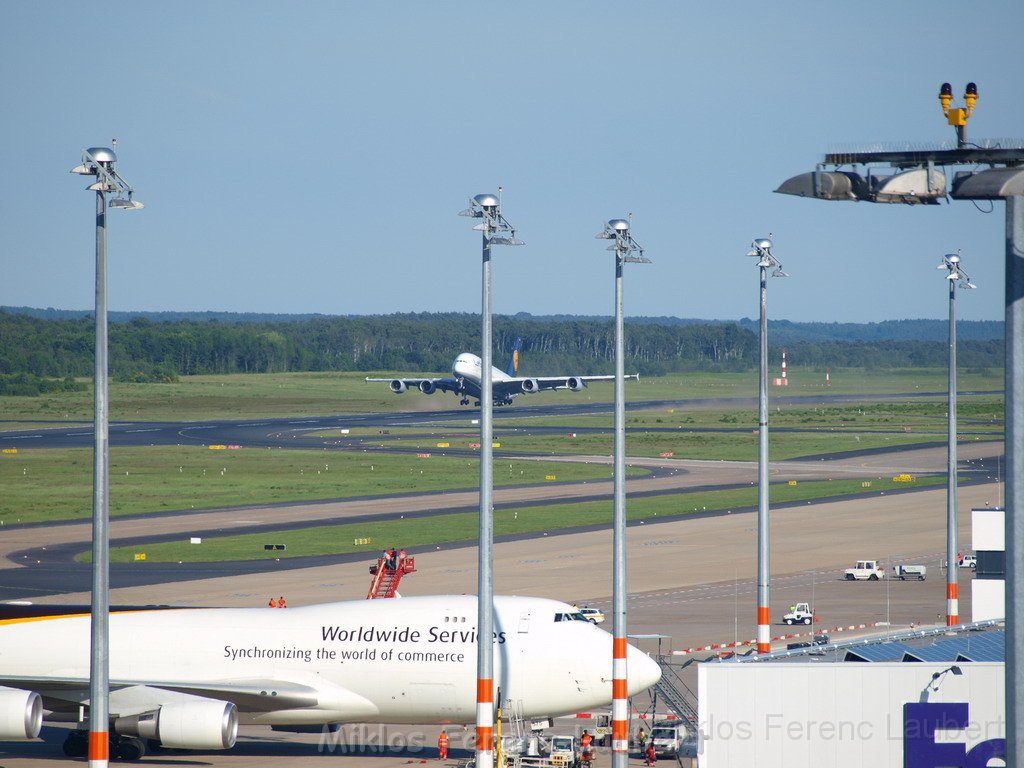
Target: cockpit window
pixel 571 617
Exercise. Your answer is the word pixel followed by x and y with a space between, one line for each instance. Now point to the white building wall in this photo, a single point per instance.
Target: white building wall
pixel 842 715
pixel 988 599
pixel 988 529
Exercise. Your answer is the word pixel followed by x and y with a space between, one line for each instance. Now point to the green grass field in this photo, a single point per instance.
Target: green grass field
pixel 418 533
pixel 56 484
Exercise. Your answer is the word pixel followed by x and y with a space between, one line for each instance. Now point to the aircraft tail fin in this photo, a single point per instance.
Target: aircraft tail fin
pixel 513 363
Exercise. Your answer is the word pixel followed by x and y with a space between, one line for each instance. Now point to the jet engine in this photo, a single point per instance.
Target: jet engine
pixel 398 386
pixel 428 387
pixel 530 385
pixel 203 724
pixel 575 383
pixel 21 714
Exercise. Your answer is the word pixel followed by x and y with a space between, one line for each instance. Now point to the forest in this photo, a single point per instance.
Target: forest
pixel 49 352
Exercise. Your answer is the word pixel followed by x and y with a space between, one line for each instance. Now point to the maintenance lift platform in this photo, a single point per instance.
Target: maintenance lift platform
pixel 385 580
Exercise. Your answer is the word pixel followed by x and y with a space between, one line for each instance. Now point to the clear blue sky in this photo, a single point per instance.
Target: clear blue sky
pixel 312 156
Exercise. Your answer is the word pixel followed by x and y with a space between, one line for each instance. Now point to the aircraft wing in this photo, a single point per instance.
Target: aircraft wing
pixel 529 385
pixel 427 386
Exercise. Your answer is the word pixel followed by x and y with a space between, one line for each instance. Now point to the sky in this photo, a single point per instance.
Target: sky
pixel 312 156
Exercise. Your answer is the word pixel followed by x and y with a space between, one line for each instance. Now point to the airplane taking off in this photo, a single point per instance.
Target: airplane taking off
pixel 505 385
pixel 186 677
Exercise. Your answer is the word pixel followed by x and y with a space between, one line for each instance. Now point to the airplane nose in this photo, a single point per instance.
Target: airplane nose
pixel 641 671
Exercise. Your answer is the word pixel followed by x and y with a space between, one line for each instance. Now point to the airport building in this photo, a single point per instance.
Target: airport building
pixel 918 699
pixel 988 588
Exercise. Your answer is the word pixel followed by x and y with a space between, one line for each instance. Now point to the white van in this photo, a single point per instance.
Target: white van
pixel 668 737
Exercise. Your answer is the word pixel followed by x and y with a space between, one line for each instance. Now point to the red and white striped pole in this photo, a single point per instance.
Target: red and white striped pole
pixel 785 382
pixel 484 723
pixel 620 700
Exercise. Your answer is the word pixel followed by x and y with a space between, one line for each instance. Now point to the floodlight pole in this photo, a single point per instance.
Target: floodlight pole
pixel 763 533
pixel 488 208
pixel 99 659
pixel 626 250
pixel 762 251
pixel 99 162
pixel 951 263
pixel 953 566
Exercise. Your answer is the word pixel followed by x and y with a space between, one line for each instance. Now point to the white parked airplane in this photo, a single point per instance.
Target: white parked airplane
pixel 505 385
pixel 186 677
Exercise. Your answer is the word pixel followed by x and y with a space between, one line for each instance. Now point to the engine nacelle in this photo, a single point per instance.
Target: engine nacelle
pixel 398 386
pixel 428 387
pixel 204 724
pixel 575 383
pixel 530 385
pixel 21 714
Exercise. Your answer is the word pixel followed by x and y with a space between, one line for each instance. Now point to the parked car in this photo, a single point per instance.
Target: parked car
pixel 594 614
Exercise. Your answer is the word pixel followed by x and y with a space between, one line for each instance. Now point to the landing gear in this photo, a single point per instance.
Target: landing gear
pixel 464 401
pixel 127 748
pixel 121 747
pixel 76 744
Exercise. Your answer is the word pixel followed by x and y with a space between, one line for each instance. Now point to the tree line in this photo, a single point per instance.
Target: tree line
pixel 141 349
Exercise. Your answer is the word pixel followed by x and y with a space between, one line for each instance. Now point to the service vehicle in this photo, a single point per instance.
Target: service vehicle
pixel 904 572
pixel 868 570
pixel 564 751
pixel 668 736
pixel 969 561
pixel 596 615
pixel 801 613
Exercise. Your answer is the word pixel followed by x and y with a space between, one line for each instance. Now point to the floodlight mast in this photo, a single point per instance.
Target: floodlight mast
pixel 1002 180
pixel 626 250
pixel 486 207
pixel 99 162
pixel 761 249
pixel 952 264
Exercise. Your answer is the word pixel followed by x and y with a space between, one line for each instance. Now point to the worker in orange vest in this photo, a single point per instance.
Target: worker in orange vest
pixel 442 746
pixel 281 603
pixel 272 603
pixel 585 751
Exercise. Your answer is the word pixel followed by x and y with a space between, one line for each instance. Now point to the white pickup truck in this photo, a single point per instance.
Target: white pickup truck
pixel 868 570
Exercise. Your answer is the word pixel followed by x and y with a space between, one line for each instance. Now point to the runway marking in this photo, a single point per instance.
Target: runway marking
pixel 29 437
pixel 154 429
